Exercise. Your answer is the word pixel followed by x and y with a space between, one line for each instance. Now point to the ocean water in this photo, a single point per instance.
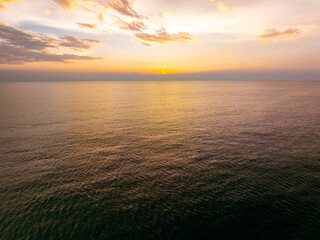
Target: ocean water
pixel 160 160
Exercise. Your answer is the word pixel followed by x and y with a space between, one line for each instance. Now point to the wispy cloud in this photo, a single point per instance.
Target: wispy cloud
pixel 67 4
pixel 162 36
pixel 77 44
pixel 124 7
pixel 119 9
pixel 17 46
pixel 22 39
pixel 14 55
pixel 4 2
pixel 274 33
pixel 137 26
pixel 89 5
pixel 88 25
pixel 146 44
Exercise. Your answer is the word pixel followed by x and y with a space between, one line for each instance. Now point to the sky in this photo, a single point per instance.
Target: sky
pixel 160 36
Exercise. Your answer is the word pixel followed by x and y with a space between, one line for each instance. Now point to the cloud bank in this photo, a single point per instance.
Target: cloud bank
pixel 17 46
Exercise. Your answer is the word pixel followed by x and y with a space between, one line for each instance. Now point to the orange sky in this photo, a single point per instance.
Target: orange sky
pixel 159 36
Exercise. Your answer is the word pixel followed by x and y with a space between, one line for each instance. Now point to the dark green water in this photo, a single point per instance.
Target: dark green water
pixel 160 160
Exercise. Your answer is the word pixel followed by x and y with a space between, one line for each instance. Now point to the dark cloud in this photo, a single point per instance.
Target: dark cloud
pixel 25 40
pixel 161 36
pixel 274 33
pixel 15 55
pixel 17 46
pixel 77 43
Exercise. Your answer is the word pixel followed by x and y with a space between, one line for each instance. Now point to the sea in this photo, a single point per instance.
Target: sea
pixel 160 160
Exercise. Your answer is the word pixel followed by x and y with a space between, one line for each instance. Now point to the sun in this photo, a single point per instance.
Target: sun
pixel 164 72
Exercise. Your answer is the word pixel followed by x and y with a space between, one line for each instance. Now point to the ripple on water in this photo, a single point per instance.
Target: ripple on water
pixel 183 160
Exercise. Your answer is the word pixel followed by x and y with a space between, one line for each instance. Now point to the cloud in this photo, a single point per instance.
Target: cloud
pixel 161 36
pixel 222 7
pixel 3 2
pixel 25 40
pixel 14 55
pixel 17 46
pixel 77 44
pixel 146 44
pixel 137 26
pixel 273 41
pixel 124 7
pixel 85 4
pixel 274 33
pixel 66 4
pixel 87 25
pixel 163 14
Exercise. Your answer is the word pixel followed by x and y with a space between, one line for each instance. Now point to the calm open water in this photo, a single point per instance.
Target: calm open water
pixel 160 160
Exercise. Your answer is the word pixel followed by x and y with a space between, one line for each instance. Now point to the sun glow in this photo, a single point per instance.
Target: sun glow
pixel 164 72
pixel 155 37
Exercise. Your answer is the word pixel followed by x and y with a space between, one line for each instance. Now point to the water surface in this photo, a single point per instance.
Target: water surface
pixel 160 160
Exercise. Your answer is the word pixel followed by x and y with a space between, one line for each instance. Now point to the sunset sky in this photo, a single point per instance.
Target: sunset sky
pixel 160 36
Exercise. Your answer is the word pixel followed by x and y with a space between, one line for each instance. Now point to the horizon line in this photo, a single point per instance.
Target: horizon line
pixel 8 75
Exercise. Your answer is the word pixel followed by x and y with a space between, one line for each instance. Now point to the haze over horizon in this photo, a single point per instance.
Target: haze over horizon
pixel 58 76
pixel 206 39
